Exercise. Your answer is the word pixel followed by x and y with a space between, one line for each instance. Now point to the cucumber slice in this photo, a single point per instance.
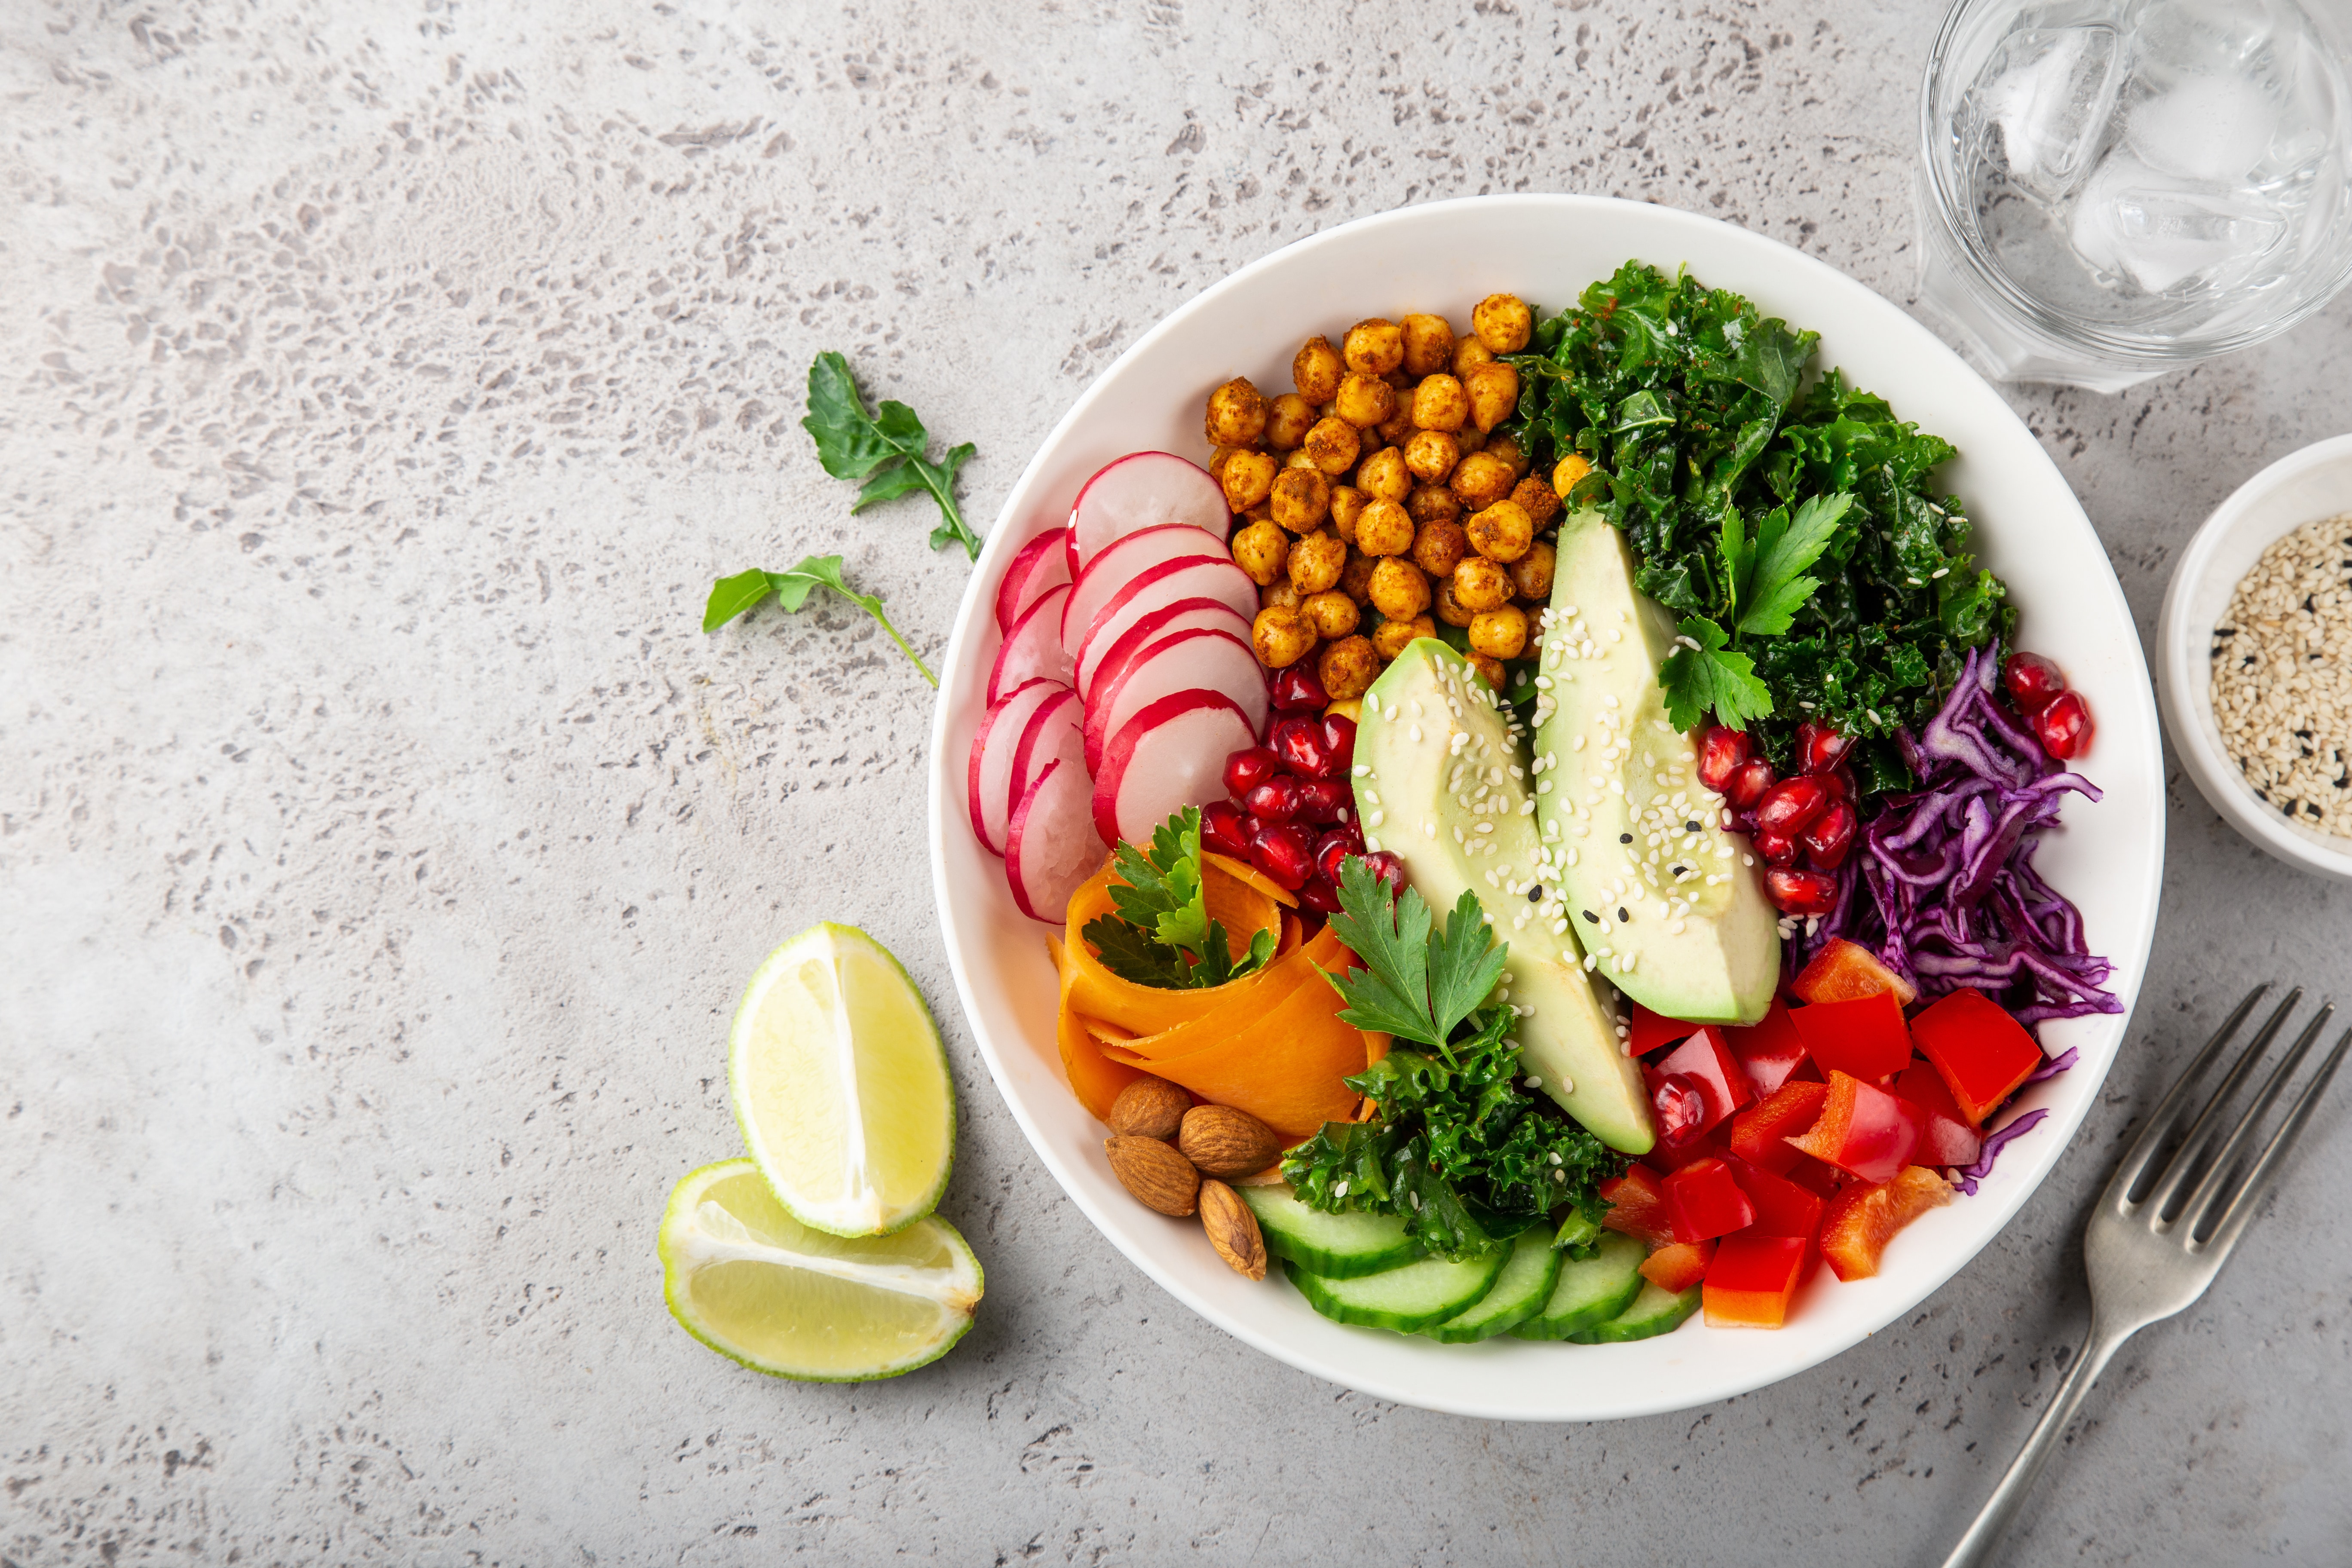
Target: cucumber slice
pixel 1334 1246
pixel 1518 1292
pixel 1592 1291
pixel 1653 1311
pixel 1407 1299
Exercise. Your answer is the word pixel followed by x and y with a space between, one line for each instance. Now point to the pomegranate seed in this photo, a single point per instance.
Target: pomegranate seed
pixel 1839 783
pixel 1299 744
pixel 2065 725
pixel 1339 740
pixel 1322 800
pixel 2033 681
pixel 1225 829
pixel 1749 785
pixel 1790 806
pixel 1802 892
pixel 1777 848
pixel 1278 800
pixel 1831 836
pixel 1387 868
pixel 1722 753
pixel 1295 689
pixel 1819 748
pixel 1330 851
pixel 1248 768
pixel 1681 1105
pixel 1320 896
pixel 1283 853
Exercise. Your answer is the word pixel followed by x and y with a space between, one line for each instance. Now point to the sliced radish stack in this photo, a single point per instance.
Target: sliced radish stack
pixel 988 779
pixel 1185 615
pixel 1140 491
pixel 1125 560
pixel 1156 588
pixel 1195 660
pixel 1043 566
pixel 1054 844
pixel 1170 755
pixel 1055 732
pixel 1034 646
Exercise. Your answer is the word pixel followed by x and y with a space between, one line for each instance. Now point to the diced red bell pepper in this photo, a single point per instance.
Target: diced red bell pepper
pixel 1815 1177
pixel 1707 1060
pixel 1650 1030
pixel 1665 1159
pixel 1782 1207
pixel 1704 1201
pixel 1768 1051
pixel 1678 1264
pixel 1637 1207
pixel 1982 1052
pixel 1865 1131
pixel 1752 1279
pixel 1865 1036
pixel 1859 1220
pixel 1844 970
pixel 1759 1134
pixel 1951 1139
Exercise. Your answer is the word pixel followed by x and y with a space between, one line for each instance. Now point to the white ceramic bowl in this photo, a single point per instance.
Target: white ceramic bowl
pixel 2300 488
pixel 1445 256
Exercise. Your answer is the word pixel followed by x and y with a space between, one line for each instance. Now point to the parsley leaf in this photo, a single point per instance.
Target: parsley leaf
pixel 885 449
pixel 1774 590
pixel 1703 673
pixel 1416 983
pixel 1162 935
pixel 732 597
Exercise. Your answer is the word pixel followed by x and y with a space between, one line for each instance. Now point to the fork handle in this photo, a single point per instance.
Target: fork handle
pixel 1976 1548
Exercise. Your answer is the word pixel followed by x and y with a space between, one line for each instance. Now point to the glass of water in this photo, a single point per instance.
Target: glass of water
pixel 2112 188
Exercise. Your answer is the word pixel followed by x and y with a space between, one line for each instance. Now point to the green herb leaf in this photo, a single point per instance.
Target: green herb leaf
pixel 1132 954
pixel 1162 935
pixel 734 596
pixel 1709 677
pixel 1785 546
pixel 886 448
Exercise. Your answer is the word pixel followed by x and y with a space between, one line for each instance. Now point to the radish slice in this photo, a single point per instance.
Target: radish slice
pixel 1140 491
pixel 1196 660
pixel 988 779
pixel 1033 647
pixel 1054 846
pixel 1125 560
pixel 1057 730
pixel 1157 587
pixel 1181 616
pixel 1170 755
pixel 1044 565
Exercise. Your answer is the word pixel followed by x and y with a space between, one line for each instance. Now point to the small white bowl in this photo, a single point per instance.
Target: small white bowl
pixel 2303 487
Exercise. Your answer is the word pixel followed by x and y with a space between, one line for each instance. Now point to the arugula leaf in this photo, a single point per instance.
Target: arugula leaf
pixel 1416 983
pixel 734 596
pixel 1703 674
pixel 1162 935
pixel 885 449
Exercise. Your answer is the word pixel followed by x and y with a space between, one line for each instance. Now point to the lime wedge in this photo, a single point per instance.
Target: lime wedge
pixel 758 1286
pixel 841 1084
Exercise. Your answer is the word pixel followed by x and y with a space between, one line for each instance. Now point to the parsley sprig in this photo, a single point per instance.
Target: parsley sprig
pixel 732 597
pixel 1162 935
pixel 1763 586
pixel 886 448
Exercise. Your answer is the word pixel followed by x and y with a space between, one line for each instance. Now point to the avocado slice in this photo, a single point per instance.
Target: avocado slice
pixel 1442 782
pixel 1668 901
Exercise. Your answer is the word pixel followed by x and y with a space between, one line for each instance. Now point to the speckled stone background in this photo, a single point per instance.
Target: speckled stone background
pixel 381 844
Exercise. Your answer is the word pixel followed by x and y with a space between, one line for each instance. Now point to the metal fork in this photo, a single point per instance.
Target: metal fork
pixel 2174 1208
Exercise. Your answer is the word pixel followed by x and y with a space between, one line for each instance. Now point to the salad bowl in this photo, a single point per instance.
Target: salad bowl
pixel 2107 856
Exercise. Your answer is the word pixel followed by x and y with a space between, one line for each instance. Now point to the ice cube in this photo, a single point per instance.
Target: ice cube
pixel 2162 231
pixel 2204 127
pixel 2048 91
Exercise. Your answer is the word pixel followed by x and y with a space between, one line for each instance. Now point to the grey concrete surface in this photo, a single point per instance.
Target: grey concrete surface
pixel 381 844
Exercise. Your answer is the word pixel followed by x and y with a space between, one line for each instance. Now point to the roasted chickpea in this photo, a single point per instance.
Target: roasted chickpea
pixel 1261 550
pixel 1501 533
pixel 1386 475
pixel 1494 392
pixel 1258 513
pixel 1430 454
pixel 1300 500
pixel 1480 479
pixel 1390 640
pixel 1287 420
pixel 1365 401
pixel 1281 635
pixel 1332 613
pixel 1508 449
pixel 1315 564
pixel 1566 473
pixel 1373 347
pixel 1433 503
pixel 1347 505
pixel 1480 585
pixel 1468 354
pixel 1399 590
pixel 1383 528
pixel 1248 478
pixel 1440 404
pixel 1472 439
pixel 1448 608
pixel 1280 594
pixel 1356 577
pixel 1428 344
pixel 1219 459
pixel 1236 415
pixel 1438 547
pixel 1299 458
pixel 1316 370
pixel 1537 499
pixel 1490 669
pixel 1503 322
pixel 1333 444
pixel 1348 668
pixel 1500 634
pixel 1531 573
pixel 1398 427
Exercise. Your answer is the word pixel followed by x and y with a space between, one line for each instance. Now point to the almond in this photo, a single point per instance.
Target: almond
pixel 1149 1108
pixel 1159 1177
pixel 1223 1142
pixel 1232 1229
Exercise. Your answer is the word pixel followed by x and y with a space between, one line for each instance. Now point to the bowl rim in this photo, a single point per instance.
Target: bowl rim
pixel 2002 1197
pixel 2186 701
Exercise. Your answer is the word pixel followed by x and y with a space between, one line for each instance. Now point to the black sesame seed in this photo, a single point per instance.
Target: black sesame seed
pixel 1690 828
pixel 1535 895
pixel 2289 808
pixel 2232 631
pixel 2303 734
pixel 1590 916
pixel 2307 608
pixel 2311 810
pixel 1624 839
pixel 1622 914
pixel 1682 870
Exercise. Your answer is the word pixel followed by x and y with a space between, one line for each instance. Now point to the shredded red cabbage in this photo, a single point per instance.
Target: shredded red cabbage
pixel 1993 1144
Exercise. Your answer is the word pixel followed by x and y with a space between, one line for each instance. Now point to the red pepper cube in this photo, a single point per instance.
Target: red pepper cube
pixel 1865 1036
pixel 1759 1134
pixel 1704 1201
pixel 1637 1207
pixel 1865 1131
pixel 1982 1053
pixel 1650 1030
pixel 1782 1207
pixel 1665 1157
pixel 1951 1139
pixel 1844 970
pixel 1752 1279
pixel 1769 1051
pixel 1859 1220
pixel 1678 1264
pixel 1707 1059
